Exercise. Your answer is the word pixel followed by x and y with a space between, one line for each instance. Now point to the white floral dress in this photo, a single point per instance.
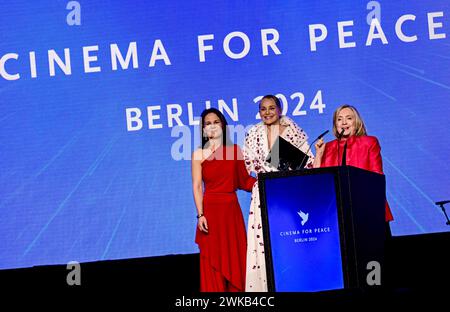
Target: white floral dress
pixel 255 153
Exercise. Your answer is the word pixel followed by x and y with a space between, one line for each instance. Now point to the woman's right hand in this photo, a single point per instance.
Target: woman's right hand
pixel 320 148
pixel 202 224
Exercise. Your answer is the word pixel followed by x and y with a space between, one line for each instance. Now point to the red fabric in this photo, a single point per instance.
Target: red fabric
pixel 223 249
pixel 362 152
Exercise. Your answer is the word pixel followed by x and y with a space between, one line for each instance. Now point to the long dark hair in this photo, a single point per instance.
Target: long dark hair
pixel 225 132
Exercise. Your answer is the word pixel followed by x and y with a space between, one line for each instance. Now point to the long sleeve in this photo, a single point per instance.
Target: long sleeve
pixel 329 157
pixel 375 161
pixel 255 151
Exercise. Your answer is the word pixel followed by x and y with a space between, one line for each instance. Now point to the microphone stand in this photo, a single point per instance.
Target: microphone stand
pixel 441 204
pixel 303 159
pixel 338 145
pixel 344 156
pixel 312 143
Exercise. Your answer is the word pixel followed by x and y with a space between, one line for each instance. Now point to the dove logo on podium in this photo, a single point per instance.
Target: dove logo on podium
pixel 303 216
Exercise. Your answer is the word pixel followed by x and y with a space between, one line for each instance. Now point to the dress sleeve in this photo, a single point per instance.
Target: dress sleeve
pixel 244 180
pixel 375 161
pixel 253 161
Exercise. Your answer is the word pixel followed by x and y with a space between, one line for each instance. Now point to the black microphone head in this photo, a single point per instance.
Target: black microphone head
pixel 442 202
pixel 322 135
pixel 341 134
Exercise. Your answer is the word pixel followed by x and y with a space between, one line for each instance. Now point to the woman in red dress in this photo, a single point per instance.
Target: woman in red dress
pixel 218 170
pixel 362 151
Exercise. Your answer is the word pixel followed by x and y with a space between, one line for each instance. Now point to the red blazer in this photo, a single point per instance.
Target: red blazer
pixel 362 152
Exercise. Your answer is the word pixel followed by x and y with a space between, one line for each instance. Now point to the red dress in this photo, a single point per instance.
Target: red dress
pixel 362 152
pixel 223 249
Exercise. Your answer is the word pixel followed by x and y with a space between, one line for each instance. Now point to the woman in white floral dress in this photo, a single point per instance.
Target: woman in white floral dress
pixel 258 143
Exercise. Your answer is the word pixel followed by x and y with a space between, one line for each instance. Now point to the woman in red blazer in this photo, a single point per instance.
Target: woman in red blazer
pixel 362 151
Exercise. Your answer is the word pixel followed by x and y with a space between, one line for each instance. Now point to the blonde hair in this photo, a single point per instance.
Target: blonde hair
pixel 359 123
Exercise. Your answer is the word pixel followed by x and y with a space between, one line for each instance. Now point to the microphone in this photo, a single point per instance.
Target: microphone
pixel 339 137
pixel 440 203
pixel 312 143
pixel 344 156
pixel 322 135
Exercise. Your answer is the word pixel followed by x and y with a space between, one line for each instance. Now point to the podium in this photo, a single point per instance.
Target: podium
pixel 322 228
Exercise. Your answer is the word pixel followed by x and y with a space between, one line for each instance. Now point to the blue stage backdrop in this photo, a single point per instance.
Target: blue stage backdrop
pixel 93 162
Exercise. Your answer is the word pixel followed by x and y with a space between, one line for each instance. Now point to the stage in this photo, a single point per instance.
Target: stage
pixel 416 270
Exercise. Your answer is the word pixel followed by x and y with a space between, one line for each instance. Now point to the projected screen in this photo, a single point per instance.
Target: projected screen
pixel 100 102
pixel 304 233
